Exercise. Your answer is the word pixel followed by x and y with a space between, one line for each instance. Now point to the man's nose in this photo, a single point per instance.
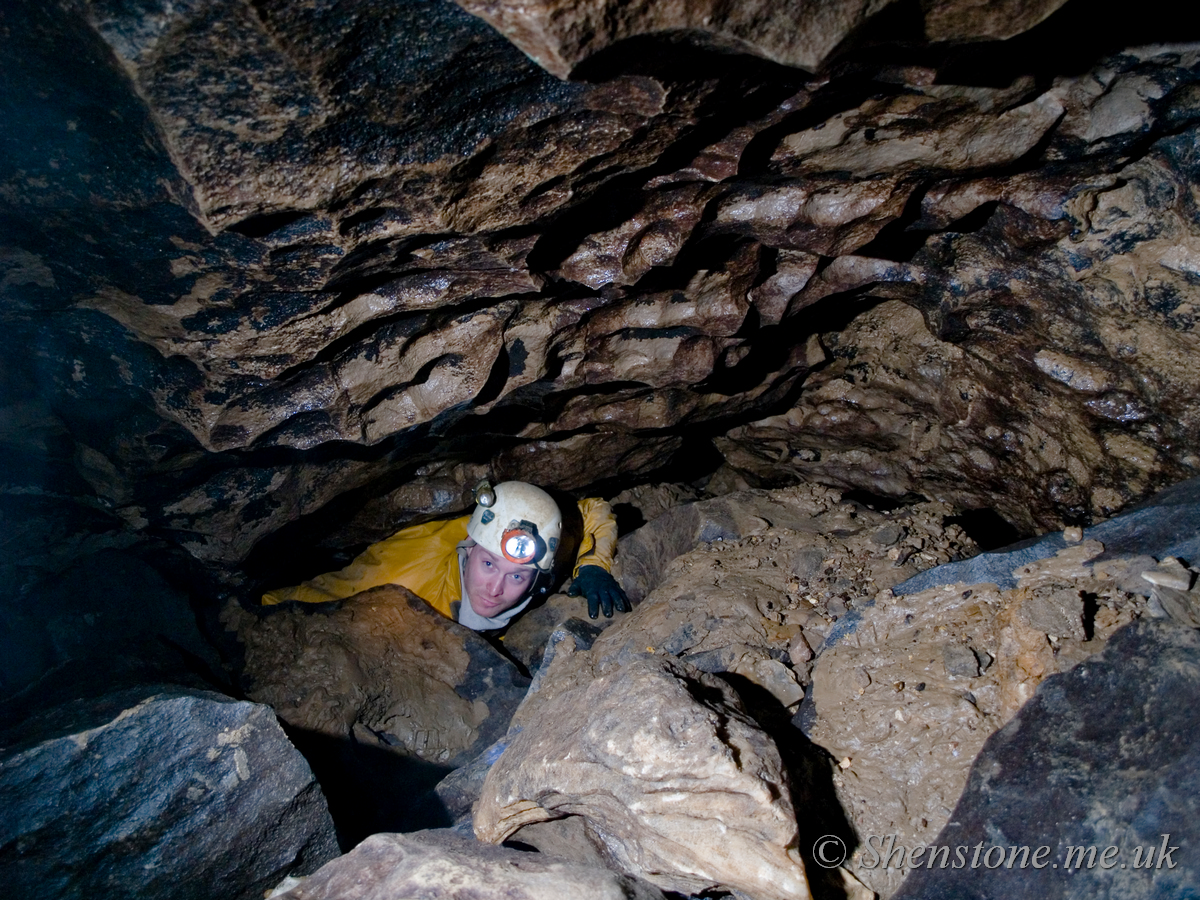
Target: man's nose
pixel 495 584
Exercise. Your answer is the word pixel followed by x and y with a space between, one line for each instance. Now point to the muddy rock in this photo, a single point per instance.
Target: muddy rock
pixel 752 583
pixel 294 279
pixel 382 667
pixel 134 793
pixel 666 767
pixel 906 695
pixel 1163 526
pixel 526 638
pixel 383 695
pixel 442 864
pixel 1094 761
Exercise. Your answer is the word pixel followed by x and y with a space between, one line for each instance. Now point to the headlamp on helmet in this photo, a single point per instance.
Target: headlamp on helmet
pixel 518 522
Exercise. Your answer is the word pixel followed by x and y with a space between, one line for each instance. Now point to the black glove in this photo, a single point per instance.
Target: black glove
pixel 601 590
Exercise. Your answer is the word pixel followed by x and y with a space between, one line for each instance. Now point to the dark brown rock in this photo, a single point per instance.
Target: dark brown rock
pixel 381 667
pixel 1094 760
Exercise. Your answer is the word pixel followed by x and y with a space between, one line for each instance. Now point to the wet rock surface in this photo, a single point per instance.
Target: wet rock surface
pixel 382 666
pixel 442 864
pixel 1097 759
pixel 275 282
pixel 136 794
pixel 732 617
pixel 802 618
pixel 384 695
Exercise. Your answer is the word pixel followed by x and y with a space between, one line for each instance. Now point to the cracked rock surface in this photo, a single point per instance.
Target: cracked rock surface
pixel 442 864
pixel 283 279
pixel 136 792
pixel 664 765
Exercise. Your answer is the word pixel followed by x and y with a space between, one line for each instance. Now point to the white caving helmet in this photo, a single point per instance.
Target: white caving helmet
pixel 518 522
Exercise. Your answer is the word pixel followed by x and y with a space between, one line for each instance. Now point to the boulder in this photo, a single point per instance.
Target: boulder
pixel 669 772
pixel 560 36
pixel 384 695
pixel 907 689
pixel 1096 769
pixel 445 865
pixel 157 793
pixel 381 667
pixel 1168 524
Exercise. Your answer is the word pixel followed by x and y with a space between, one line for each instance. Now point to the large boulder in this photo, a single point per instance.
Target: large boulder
pixel 661 760
pixel 158 793
pixel 383 694
pixel 383 667
pixel 1094 778
pixel 906 700
pixel 445 865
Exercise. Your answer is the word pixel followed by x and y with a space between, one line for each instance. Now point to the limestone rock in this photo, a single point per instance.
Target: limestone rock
pixel 1095 760
pixel 526 638
pixel 561 36
pixel 1163 526
pixel 159 792
pixel 442 864
pixel 911 688
pixel 271 279
pixel 660 759
pixel 381 666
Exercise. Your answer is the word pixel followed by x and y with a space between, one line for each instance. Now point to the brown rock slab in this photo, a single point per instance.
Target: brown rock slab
pixel 381 666
pixel 559 36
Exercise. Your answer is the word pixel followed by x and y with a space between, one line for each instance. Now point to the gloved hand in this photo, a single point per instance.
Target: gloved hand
pixel 601 590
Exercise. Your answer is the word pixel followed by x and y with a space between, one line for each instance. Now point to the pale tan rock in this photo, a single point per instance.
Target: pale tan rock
pixel 559 36
pixel 435 863
pixel 925 679
pixel 681 785
pixel 883 136
pixel 951 19
pixel 649 238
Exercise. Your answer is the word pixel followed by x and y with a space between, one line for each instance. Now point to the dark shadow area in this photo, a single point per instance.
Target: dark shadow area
pixel 629 518
pixel 370 789
pixel 681 55
pixel 263 225
pixel 810 769
pixel 879 502
pixel 985 527
pixel 1068 42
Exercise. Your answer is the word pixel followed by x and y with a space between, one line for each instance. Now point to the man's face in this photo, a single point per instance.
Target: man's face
pixel 494 584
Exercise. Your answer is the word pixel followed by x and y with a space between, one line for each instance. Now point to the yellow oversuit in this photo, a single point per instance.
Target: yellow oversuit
pixel 424 559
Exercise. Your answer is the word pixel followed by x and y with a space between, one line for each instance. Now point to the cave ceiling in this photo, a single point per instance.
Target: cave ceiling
pixel 279 274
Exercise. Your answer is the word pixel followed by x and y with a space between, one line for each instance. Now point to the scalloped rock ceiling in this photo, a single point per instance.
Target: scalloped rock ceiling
pixel 277 273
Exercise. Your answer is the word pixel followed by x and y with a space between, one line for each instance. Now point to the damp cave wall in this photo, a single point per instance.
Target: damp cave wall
pixel 273 285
